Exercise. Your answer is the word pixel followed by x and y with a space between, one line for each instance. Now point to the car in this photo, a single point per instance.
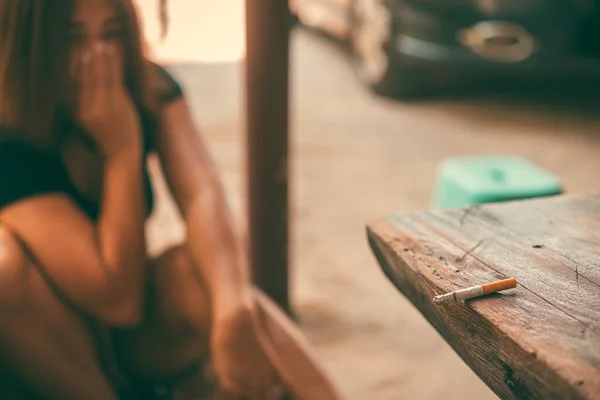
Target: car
pixel 398 44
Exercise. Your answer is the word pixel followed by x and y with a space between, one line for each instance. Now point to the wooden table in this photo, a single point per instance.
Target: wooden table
pixel 539 341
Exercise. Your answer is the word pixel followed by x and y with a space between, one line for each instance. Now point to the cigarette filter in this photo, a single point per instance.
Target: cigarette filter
pixel 476 291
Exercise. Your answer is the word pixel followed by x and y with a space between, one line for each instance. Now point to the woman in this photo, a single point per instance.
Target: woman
pixel 80 108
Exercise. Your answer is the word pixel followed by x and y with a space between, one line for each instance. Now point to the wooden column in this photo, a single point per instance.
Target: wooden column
pixel 267 74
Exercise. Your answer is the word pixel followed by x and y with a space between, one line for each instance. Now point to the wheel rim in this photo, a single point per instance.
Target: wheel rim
pixel 370 34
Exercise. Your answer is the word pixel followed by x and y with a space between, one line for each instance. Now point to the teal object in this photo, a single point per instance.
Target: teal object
pixel 469 181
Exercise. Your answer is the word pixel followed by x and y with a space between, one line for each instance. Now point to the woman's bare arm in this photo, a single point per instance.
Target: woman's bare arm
pixel 98 266
pixel 200 197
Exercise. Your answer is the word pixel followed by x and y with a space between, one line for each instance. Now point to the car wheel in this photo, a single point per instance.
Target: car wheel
pixel 372 35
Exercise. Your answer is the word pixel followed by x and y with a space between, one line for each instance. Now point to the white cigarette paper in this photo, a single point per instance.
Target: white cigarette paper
pixel 459 295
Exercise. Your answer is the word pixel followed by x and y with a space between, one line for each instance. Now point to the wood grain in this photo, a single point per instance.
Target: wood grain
pixel 541 340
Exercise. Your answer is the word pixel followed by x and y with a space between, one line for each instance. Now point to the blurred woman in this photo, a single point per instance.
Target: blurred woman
pixel 81 303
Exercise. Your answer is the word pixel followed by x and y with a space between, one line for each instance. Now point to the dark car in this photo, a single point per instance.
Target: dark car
pixel 397 44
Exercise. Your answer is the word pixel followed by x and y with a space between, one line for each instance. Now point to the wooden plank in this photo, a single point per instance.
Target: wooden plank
pixel 523 344
pixel 567 225
pixel 544 271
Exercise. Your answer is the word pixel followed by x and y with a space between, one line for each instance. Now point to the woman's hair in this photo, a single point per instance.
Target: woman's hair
pixel 34 45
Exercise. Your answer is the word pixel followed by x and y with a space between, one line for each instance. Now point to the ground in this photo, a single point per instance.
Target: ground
pixel 356 158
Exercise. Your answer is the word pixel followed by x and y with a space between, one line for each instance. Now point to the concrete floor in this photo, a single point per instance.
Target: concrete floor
pixel 355 158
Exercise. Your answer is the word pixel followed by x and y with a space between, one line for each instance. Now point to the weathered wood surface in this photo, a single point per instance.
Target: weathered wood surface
pixel 539 341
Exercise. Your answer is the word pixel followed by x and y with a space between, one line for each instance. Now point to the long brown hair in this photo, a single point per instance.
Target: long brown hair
pixel 33 64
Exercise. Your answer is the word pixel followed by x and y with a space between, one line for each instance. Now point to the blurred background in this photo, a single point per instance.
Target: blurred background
pixel 360 152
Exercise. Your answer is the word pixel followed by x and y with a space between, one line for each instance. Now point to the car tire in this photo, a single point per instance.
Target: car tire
pixel 373 56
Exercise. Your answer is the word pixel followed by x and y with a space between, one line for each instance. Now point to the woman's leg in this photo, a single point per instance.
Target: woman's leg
pixel 44 344
pixel 175 334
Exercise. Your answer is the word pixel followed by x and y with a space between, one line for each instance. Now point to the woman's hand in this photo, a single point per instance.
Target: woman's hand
pixel 105 108
pixel 240 364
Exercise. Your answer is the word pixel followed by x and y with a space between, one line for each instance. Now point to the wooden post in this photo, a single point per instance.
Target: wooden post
pixel 267 77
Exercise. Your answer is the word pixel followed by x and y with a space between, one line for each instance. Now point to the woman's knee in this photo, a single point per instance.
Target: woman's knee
pixel 178 280
pixel 14 269
pixel 175 260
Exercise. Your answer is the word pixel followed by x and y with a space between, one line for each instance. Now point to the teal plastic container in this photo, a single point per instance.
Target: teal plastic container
pixel 469 181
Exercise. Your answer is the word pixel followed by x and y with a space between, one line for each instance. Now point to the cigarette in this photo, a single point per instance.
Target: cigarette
pixel 476 291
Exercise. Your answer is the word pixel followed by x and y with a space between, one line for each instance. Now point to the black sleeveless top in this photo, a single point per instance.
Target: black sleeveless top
pixel 26 171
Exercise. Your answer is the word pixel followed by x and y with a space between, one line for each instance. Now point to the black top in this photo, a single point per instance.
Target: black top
pixel 27 171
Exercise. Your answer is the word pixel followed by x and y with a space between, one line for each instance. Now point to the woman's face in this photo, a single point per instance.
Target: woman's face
pixel 94 21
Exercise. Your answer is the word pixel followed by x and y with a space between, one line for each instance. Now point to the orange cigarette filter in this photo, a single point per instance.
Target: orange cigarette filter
pixel 497 286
